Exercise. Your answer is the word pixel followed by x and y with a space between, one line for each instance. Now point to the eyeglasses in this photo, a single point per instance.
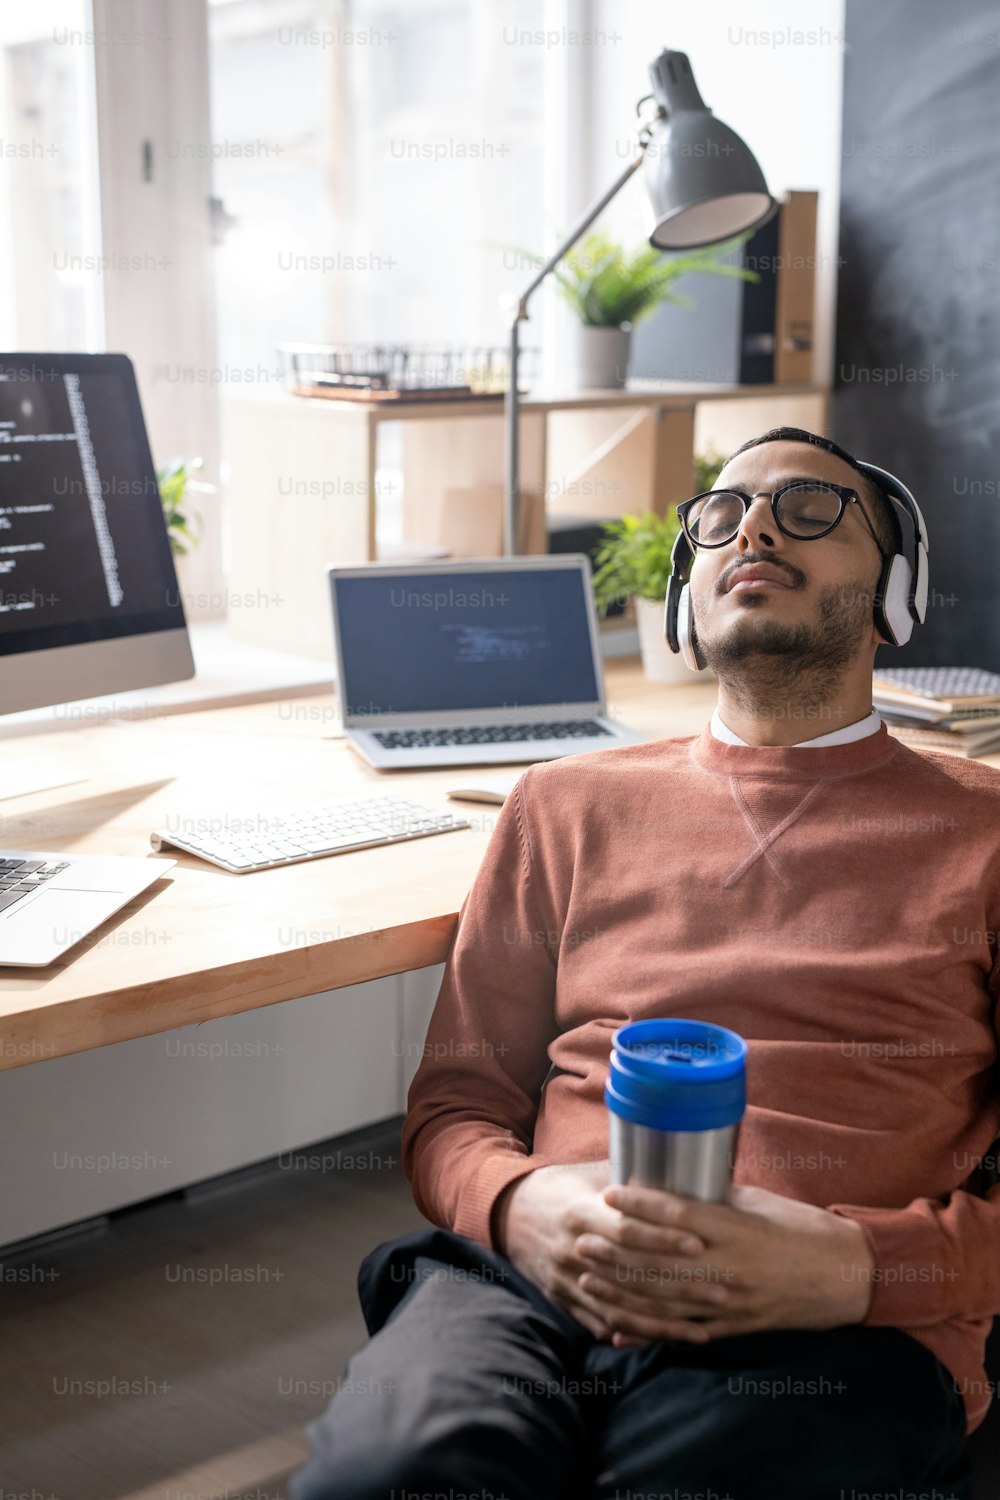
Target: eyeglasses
pixel 803 509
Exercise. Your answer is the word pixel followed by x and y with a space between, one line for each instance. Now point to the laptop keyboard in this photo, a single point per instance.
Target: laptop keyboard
pixel 18 877
pixel 489 734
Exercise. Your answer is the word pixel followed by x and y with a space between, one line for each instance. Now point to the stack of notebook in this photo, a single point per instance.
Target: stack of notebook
pixel 955 709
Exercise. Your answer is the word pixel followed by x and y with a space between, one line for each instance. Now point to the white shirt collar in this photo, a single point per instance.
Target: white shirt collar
pixel 857 731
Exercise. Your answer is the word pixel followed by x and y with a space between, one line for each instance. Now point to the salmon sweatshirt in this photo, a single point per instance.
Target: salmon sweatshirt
pixel 838 907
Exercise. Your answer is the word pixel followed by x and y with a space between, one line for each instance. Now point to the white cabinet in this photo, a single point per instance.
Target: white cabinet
pixel 99 1130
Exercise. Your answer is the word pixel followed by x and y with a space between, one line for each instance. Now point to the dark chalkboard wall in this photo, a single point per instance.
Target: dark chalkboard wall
pixel 917 380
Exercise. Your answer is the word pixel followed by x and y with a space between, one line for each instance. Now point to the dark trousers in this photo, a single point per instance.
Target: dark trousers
pixel 477 1384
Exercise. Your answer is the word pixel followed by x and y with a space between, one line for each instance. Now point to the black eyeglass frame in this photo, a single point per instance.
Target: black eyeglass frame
pixel 845 494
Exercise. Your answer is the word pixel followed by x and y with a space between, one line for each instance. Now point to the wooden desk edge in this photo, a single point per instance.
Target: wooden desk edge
pixel 79 1025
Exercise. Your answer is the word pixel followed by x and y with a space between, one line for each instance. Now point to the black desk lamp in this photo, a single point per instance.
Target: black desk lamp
pixel 703 184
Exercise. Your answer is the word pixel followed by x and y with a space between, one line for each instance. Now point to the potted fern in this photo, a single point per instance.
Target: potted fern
pixel 633 562
pixel 612 289
pixel 176 484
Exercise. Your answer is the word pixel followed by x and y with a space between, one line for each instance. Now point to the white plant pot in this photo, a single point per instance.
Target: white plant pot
pixel 659 663
pixel 597 358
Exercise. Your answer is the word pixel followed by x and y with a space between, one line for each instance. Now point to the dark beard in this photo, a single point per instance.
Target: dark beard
pixel 770 669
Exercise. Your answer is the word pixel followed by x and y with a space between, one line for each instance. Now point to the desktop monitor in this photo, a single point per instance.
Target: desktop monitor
pixel 89 602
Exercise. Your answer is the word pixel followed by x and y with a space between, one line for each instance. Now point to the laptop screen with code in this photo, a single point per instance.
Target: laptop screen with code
pixel 431 642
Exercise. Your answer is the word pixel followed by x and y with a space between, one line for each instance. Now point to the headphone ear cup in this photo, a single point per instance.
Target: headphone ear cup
pixel 702 664
pixel 892 613
pixel 686 637
pixel 920 588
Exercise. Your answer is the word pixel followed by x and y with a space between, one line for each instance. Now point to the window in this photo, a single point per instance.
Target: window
pixel 49 210
pixel 374 160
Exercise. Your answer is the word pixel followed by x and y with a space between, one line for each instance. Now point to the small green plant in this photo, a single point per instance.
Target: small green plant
pixel 707 468
pixel 608 286
pixel 633 559
pixel 175 482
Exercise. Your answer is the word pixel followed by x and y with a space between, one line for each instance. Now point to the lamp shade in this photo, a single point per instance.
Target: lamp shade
pixel 703 182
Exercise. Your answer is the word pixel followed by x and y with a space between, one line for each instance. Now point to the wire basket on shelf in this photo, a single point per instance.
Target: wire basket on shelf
pixel 394 372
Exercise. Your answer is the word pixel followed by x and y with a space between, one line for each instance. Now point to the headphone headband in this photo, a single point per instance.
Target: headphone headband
pixel 897 490
pixel 916 587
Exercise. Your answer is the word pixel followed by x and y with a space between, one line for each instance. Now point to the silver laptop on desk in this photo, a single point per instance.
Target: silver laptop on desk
pixel 470 662
pixel 49 902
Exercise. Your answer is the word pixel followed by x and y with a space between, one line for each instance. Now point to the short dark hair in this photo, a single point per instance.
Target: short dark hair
pixel 883 516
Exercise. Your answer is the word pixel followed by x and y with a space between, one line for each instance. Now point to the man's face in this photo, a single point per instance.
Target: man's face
pixel 818 609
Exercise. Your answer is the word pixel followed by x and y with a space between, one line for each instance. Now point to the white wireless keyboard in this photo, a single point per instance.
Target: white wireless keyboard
pixel 262 838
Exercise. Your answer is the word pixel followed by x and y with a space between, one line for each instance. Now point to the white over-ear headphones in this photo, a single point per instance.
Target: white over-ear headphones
pixel 900 595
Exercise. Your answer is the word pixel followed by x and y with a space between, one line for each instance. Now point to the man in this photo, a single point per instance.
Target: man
pixel 798 875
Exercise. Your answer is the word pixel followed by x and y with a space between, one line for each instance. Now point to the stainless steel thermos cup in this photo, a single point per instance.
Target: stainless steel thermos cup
pixel 676 1092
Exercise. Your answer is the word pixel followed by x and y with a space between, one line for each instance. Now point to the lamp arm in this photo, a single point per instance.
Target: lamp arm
pixel 511 487
pixel 579 228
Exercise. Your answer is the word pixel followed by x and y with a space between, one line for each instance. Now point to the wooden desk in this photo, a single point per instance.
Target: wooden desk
pixel 202 943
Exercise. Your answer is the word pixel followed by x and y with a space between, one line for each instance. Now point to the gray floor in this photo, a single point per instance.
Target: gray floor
pixel 178 1353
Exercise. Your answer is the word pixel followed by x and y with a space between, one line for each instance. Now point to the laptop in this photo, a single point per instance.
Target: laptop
pixel 49 902
pixel 470 662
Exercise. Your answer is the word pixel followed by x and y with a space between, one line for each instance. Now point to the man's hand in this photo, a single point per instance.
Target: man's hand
pixel 539 1218
pixel 774 1263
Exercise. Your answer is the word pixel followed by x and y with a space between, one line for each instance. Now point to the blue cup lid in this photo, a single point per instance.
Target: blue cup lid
pixel 674 1074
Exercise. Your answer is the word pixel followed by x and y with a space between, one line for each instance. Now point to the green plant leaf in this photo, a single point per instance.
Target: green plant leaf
pixel 633 558
pixel 707 468
pixel 184 527
pixel 607 286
